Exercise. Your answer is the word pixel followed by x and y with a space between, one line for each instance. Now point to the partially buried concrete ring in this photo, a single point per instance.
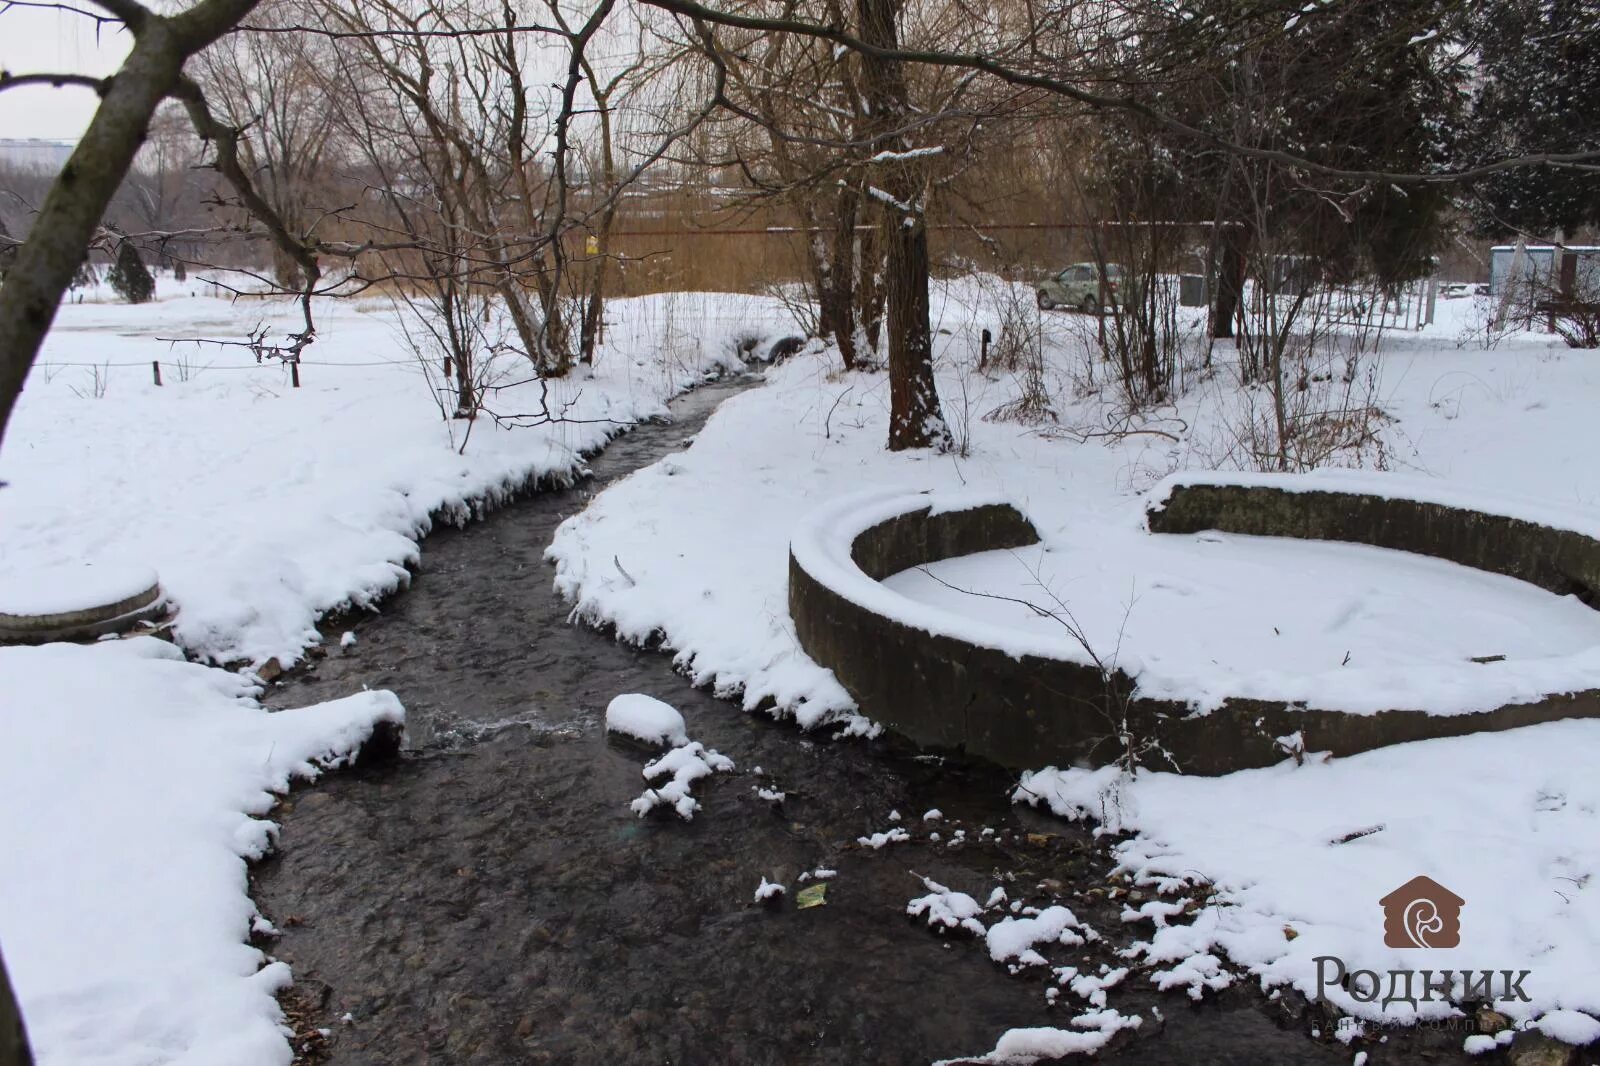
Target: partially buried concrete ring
pixel 935 679
pixel 138 601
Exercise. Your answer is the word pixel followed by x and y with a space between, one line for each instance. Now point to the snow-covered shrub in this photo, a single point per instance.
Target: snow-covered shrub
pixel 1570 309
pixel 1018 347
pixel 1309 378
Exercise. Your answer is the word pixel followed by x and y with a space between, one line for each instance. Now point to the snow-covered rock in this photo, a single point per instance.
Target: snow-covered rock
pixel 878 840
pixel 646 718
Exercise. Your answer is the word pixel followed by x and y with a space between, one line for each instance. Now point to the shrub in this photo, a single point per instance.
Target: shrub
pixel 129 277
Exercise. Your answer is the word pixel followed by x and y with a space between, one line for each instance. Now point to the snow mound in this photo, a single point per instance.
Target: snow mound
pixel 646 718
pixel 1014 938
pixel 686 765
pixel 133 787
pixel 1505 820
pixel 1570 1027
pixel 1022 1047
pixel 946 909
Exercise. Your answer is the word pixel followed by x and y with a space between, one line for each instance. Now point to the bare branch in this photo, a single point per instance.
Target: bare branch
pixel 1013 76
pixel 9 80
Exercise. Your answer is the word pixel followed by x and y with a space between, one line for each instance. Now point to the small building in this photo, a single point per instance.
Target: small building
pixel 1537 266
pixel 34 153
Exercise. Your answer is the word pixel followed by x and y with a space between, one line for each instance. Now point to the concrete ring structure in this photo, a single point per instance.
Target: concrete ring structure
pixel 141 601
pixel 1019 699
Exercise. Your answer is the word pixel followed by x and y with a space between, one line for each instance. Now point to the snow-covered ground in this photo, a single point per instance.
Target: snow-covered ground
pixel 133 783
pixel 1299 857
pixel 703 538
pixel 133 787
pixel 1509 421
pixel 262 506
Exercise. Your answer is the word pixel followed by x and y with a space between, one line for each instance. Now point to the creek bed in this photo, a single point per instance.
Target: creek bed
pixel 490 898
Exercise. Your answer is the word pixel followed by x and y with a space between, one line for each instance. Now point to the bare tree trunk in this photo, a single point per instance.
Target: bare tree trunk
pixel 555 348
pixel 466 395
pixel 13 1035
pixel 454 309
pixel 592 328
pixel 869 288
pixel 527 330
pixel 915 420
pixel 836 289
pixel 1235 247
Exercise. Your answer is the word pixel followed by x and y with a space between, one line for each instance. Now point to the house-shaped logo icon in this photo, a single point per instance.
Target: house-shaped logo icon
pixel 1422 913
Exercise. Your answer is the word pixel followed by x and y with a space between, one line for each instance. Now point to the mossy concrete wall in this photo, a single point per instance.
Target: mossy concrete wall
pixel 1030 711
pixel 83 624
pixel 1559 560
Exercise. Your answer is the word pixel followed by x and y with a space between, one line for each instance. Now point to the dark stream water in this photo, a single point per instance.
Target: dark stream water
pixel 490 898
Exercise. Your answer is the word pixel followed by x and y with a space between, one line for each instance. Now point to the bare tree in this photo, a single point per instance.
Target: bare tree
pixel 71 212
pixel 13 1035
pixel 915 420
pixel 269 85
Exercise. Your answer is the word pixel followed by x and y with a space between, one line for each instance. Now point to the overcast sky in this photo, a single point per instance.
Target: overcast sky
pixel 35 41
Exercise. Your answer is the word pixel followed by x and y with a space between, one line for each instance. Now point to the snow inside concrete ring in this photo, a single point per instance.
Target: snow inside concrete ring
pixel 67 589
pixel 1211 616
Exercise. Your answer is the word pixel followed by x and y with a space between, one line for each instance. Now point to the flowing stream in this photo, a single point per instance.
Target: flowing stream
pixel 490 898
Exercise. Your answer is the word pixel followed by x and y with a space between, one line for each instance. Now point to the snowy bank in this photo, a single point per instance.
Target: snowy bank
pixel 263 506
pixel 133 787
pixel 693 551
pixel 1300 856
